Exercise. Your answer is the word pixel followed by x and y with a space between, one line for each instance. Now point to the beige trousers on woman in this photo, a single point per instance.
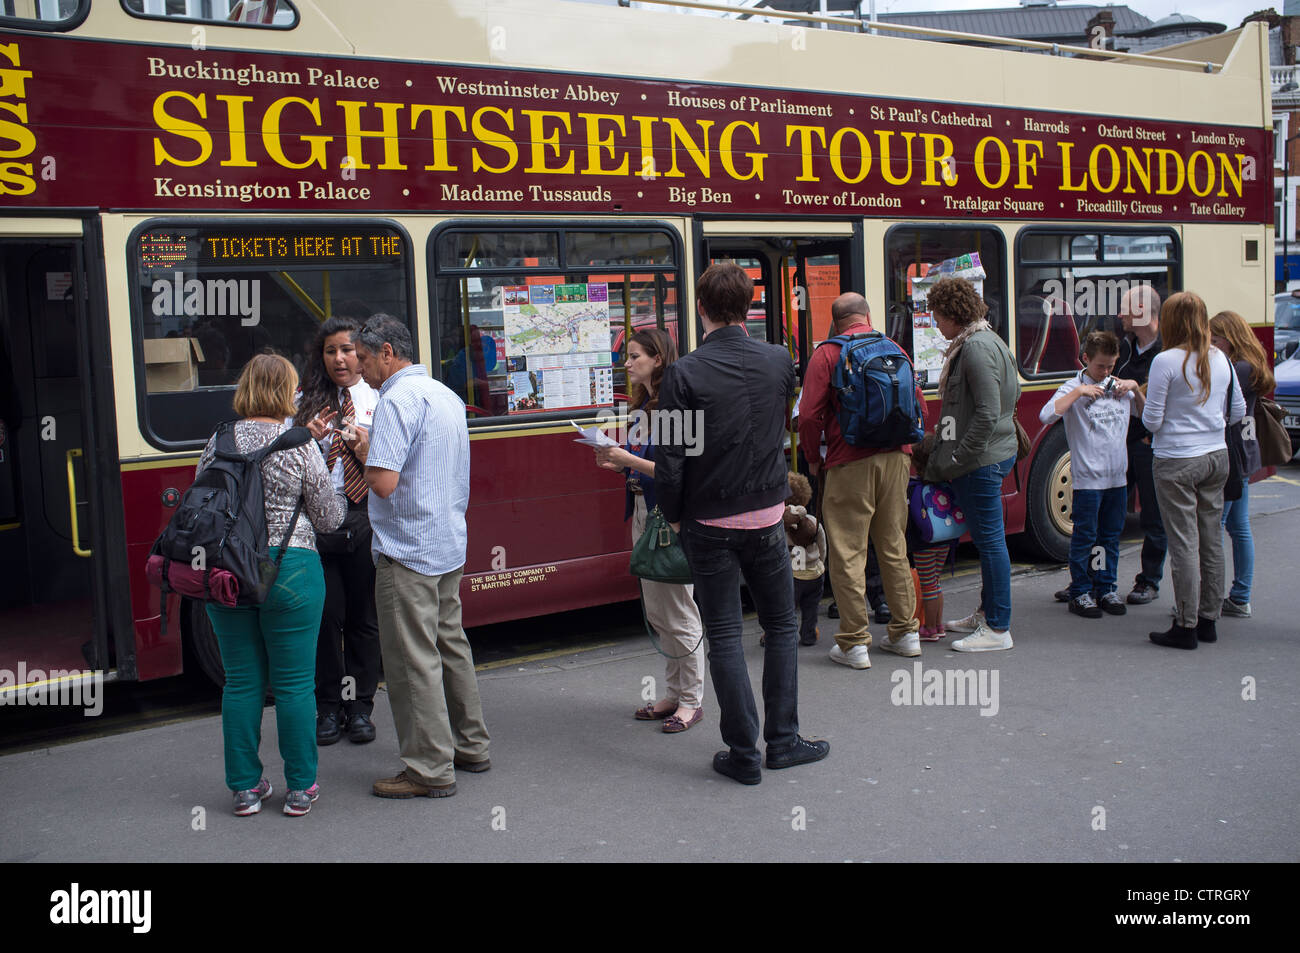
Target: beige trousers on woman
pixel 1190 491
pixel 676 620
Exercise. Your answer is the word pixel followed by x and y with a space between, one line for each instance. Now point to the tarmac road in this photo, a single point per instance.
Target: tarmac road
pixel 1102 747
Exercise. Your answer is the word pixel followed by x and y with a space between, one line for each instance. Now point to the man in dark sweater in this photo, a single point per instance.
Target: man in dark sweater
pixel 1140 314
pixel 726 496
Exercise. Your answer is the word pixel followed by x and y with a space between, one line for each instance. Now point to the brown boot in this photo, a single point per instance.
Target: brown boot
pixel 403 786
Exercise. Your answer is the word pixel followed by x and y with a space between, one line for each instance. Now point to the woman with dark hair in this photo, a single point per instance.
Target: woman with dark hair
pixel 976 448
pixel 1186 413
pixel 336 405
pixel 670 609
pixel 274 643
pixel 1230 333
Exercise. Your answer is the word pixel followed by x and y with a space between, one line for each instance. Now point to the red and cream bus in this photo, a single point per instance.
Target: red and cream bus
pixel 183 184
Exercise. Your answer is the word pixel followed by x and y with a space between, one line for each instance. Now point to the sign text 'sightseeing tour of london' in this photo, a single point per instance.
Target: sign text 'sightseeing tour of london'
pixel 174 128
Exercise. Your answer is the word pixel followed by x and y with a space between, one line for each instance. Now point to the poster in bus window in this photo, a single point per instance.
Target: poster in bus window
pixel 928 343
pixel 562 332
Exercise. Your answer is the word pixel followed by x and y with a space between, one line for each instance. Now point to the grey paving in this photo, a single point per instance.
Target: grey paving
pixel 1091 718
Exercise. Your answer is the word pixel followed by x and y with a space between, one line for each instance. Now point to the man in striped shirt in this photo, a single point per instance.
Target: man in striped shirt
pixel 417 468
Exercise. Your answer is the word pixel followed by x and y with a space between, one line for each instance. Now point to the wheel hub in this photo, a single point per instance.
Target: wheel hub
pixel 1060 495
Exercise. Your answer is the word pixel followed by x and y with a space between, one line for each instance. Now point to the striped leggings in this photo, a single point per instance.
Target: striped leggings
pixel 929 566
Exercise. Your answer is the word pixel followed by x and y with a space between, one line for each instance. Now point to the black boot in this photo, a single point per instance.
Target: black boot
pixel 1205 631
pixel 1178 637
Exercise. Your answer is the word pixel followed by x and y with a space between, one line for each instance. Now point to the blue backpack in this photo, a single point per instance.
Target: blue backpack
pixel 879 404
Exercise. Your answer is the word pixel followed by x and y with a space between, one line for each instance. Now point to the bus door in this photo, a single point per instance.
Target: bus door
pixel 55 616
pixel 796 277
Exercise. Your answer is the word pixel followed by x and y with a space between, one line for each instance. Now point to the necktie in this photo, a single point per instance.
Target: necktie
pixel 354 479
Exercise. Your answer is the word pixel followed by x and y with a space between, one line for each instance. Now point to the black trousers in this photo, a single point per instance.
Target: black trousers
pixel 1154 542
pixel 808 597
pixel 348 644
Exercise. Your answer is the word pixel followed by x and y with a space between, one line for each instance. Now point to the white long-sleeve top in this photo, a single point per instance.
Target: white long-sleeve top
pixel 1181 425
pixel 1096 429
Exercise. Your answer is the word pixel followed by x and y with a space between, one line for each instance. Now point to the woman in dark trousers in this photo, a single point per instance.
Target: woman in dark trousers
pixel 1230 333
pixel 336 405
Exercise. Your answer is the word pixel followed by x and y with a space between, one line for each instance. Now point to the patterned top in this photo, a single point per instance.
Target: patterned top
pixel 419 433
pixel 286 476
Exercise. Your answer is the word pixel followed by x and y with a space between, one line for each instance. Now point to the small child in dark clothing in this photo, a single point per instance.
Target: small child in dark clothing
pixel 807 541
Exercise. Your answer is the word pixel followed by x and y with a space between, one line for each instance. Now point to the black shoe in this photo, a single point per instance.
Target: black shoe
pixel 1112 604
pixel 723 764
pixel 883 615
pixel 1205 631
pixel 1178 637
pixel 327 729
pixel 360 729
pixel 832 611
pixel 801 752
pixel 1061 595
pixel 473 767
pixel 1085 606
pixel 1141 594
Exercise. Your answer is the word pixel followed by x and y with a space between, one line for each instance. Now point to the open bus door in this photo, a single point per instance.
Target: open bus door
pixel 798 271
pixel 63 584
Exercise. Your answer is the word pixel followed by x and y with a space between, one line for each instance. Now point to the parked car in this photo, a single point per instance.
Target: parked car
pixel 1288 395
pixel 1286 325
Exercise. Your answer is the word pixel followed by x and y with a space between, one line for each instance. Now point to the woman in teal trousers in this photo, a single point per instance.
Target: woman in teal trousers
pixel 275 643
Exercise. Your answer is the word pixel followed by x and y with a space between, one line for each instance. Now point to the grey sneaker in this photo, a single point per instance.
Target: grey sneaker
pixel 298 803
pixel 968 624
pixel 1112 604
pixel 1240 610
pixel 250 801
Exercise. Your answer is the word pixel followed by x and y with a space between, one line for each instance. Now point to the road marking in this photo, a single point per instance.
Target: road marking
pixel 541 656
pixel 1283 479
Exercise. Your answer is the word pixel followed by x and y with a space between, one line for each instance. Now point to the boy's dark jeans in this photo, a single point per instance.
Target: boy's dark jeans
pixel 718 559
pixel 1098 517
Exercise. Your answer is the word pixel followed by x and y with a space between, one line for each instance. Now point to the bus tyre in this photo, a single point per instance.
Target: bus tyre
pixel 1047 510
pixel 203 642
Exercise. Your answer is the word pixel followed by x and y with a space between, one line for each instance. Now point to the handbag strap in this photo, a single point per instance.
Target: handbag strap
pixel 654 636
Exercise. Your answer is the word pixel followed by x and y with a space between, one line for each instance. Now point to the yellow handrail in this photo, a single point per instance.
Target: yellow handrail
pixel 72 506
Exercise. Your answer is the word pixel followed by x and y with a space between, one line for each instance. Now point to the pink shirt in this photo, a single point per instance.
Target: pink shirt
pixel 754 519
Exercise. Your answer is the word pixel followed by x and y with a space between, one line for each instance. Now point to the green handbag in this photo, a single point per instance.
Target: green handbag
pixel 658 554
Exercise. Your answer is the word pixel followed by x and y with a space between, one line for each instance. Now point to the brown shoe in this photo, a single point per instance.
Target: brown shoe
pixel 403 785
pixel 474 767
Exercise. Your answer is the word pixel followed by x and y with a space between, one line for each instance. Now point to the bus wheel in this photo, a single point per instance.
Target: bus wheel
pixel 1051 492
pixel 203 643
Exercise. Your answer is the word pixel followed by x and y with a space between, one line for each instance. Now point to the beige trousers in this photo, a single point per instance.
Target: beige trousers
pixel 868 498
pixel 429 669
pixel 1190 492
pixel 675 618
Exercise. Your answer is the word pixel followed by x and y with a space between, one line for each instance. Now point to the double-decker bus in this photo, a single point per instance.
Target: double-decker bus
pixel 185 183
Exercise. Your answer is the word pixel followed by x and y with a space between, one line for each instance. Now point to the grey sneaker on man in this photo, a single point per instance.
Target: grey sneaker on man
pixel 1141 594
pixel 1239 610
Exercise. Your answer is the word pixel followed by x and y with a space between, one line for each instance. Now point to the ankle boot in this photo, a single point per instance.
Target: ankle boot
pixel 1205 631
pixel 1178 637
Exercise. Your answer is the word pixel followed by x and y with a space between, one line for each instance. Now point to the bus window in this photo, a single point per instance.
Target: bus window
pixel 278 14
pixel 918 255
pixel 43 14
pixel 534 322
pixel 209 297
pixel 1070 283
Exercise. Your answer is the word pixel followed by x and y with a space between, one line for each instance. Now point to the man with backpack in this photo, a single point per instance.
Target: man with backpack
pixel 860 392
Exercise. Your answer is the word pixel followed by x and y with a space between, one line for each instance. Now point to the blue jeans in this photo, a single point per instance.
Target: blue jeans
pixel 1098 517
pixel 718 558
pixel 980 495
pixel 1236 519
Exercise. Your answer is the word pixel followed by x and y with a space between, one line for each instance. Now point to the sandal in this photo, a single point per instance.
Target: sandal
pixel 673 724
pixel 648 713
pixel 928 634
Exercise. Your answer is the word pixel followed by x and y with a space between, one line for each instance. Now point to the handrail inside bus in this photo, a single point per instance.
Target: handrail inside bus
pixel 870 26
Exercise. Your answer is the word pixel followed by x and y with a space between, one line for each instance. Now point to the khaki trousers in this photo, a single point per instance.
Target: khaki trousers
pixel 430 671
pixel 868 498
pixel 672 613
pixel 1190 491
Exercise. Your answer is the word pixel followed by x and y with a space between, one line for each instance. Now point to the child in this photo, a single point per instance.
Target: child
pixel 807 541
pixel 1096 408
pixel 928 559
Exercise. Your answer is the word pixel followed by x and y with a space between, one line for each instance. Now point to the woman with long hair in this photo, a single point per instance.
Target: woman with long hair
pixel 1192 395
pixel 337 405
pixel 670 609
pixel 275 642
pixel 1230 333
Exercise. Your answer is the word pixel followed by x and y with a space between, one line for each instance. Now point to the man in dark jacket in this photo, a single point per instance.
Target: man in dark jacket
pixel 728 488
pixel 1140 314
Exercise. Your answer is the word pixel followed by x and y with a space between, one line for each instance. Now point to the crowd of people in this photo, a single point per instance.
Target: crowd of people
pixel 374 570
